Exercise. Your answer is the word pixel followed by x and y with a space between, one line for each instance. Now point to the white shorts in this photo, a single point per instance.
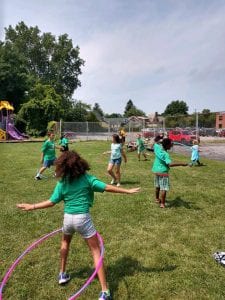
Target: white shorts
pixel 80 223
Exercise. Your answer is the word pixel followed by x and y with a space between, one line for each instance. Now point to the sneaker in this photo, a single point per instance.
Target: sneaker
pixel 63 278
pixel 37 177
pixel 113 181
pixel 105 296
pixel 118 184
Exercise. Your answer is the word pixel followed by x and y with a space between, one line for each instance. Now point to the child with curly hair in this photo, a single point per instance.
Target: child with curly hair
pixel 76 188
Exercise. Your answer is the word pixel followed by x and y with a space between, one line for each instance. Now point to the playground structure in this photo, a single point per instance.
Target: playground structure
pixel 7 129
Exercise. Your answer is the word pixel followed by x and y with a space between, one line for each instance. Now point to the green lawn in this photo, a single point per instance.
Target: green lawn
pixel 150 253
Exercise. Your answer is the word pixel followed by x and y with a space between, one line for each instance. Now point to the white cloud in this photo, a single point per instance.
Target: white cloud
pixel 152 52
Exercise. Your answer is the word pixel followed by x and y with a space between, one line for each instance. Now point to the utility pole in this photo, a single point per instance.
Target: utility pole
pixel 196 124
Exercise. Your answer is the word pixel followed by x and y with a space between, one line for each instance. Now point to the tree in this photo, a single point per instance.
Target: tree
pixel 98 111
pixel 43 58
pixel 129 105
pixel 176 108
pixel 78 112
pixel 207 119
pixel 14 78
pixel 132 110
pixel 44 105
pixel 113 115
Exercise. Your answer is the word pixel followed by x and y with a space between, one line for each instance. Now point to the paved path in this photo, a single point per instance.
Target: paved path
pixel 209 150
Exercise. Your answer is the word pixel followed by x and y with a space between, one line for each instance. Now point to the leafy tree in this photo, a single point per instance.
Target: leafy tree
pixel 98 111
pixel 40 58
pixel 14 78
pixel 207 119
pixel 129 105
pixel 176 108
pixel 113 115
pixel 78 112
pixel 44 105
pixel 132 110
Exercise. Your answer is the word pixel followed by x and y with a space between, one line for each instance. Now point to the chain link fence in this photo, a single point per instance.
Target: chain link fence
pixel 198 124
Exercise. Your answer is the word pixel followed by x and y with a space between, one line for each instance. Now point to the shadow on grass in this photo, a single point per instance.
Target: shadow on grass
pixel 178 202
pixel 123 267
pixel 130 181
pixel 128 266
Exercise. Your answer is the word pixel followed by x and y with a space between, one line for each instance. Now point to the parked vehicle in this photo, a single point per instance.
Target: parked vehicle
pixel 221 133
pixel 182 136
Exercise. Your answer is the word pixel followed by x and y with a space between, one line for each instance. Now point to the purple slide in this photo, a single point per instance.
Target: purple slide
pixel 15 133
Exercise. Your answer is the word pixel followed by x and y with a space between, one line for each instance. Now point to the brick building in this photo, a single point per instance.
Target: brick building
pixel 220 120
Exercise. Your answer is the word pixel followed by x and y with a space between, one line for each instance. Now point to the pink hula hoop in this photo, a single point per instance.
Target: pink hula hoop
pixel 39 241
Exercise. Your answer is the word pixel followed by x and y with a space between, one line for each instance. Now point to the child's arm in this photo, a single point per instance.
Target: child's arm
pixel 115 189
pixel 107 152
pixel 27 206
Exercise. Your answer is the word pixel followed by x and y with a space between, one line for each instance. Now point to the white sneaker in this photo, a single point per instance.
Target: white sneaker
pixel 113 181
pixel 118 184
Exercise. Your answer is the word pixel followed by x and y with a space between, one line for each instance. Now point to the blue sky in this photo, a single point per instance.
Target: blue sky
pixel 152 52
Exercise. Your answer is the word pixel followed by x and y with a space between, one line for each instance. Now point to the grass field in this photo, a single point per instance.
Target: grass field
pixel 150 253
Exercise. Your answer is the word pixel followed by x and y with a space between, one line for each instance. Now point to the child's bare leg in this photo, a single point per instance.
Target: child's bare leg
pixel 117 173
pixel 163 199
pixel 139 156
pixel 157 192
pixel 65 244
pixel 94 247
pixel 110 171
pixel 145 156
pixel 42 169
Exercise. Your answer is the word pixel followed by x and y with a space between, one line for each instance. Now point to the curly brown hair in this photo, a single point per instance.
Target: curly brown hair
pixel 70 165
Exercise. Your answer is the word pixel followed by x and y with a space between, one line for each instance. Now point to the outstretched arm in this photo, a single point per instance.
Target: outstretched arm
pixel 27 206
pixel 106 152
pixel 115 189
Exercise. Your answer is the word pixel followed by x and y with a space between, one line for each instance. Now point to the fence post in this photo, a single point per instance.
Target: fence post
pixel 60 127
pixel 87 129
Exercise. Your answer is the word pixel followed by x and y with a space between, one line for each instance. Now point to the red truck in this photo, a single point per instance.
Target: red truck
pixel 182 136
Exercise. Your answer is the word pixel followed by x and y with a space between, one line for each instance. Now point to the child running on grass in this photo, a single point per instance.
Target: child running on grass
pixel 48 155
pixel 117 153
pixel 76 188
pixel 161 166
pixel 140 147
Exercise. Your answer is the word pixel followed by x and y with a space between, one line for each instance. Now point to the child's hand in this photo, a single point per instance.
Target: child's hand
pixel 25 206
pixel 134 190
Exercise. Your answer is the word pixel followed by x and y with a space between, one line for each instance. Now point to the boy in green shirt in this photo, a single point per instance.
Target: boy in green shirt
pixel 64 143
pixel 160 168
pixel 140 147
pixel 48 155
pixel 76 188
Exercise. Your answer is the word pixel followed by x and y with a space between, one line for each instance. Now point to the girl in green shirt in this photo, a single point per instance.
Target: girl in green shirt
pixel 76 188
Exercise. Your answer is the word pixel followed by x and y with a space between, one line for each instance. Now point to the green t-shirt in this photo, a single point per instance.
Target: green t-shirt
pixel 48 150
pixel 64 142
pixel 140 144
pixel 162 160
pixel 78 195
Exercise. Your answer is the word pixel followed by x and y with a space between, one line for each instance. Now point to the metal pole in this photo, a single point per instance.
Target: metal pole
pixel 60 127
pixel 196 124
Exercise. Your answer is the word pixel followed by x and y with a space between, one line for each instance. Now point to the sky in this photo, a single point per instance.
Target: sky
pixel 150 51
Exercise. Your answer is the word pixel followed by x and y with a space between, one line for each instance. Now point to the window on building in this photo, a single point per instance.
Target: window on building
pixel 220 118
pixel 220 126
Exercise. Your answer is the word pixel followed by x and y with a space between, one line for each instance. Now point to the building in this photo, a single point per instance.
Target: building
pixel 220 120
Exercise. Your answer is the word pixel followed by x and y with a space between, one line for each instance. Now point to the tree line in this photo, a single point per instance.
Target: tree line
pixel 39 73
